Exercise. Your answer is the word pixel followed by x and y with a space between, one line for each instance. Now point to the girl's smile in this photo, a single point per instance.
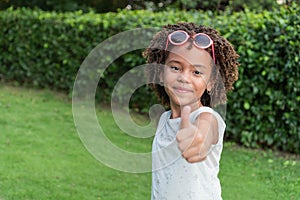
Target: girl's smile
pixel 182 90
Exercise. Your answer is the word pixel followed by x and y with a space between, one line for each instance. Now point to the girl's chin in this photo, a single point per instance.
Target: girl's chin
pixel 182 103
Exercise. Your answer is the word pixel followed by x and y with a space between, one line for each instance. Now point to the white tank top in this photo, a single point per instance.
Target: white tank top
pixel 173 178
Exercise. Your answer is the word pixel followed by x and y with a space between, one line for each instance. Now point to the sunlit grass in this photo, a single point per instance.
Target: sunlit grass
pixel 42 157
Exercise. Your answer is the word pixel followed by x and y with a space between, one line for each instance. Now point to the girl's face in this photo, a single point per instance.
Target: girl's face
pixel 186 76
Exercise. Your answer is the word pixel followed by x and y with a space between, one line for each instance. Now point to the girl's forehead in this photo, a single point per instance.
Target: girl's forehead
pixel 190 54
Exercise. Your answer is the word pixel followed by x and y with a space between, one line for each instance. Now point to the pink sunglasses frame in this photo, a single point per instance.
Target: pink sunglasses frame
pixel 211 43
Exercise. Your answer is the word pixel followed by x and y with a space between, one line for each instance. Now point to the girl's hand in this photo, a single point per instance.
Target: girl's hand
pixel 194 140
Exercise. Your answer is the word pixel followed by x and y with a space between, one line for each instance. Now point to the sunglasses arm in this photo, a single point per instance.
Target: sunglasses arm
pixel 167 43
pixel 213 52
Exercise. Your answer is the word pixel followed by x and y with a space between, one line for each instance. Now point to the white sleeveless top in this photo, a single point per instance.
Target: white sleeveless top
pixel 173 178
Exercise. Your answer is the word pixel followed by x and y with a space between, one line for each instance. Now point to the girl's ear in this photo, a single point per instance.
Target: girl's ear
pixel 161 78
pixel 209 86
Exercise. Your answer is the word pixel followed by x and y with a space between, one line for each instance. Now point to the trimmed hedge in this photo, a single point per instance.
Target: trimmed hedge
pixel 264 109
pixel 45 49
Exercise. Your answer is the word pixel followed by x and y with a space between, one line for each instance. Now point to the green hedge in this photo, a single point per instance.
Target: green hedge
pixel 45 49
pixel 264 109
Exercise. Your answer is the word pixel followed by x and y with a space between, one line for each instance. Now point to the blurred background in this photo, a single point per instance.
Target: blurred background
pixel 45 42
pixel 102 6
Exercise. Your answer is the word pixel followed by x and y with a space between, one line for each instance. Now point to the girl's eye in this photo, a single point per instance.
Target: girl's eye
pixel 197 73
pixel 174 68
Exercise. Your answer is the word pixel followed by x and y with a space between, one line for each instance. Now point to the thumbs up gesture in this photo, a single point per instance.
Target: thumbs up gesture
pixel 195 139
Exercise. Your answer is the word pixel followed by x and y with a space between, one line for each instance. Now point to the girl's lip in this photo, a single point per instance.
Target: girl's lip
pixel 182 90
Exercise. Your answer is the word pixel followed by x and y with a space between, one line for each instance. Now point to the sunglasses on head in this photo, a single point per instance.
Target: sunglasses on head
pixel 200 40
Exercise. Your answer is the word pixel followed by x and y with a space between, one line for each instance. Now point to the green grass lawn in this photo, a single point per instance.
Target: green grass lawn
pixel 42 157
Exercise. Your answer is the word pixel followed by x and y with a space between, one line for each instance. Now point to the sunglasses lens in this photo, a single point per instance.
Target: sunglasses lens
pixel 178 37
pixel 202 41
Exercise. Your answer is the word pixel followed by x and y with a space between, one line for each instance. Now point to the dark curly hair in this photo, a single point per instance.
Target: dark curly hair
pixel 224 71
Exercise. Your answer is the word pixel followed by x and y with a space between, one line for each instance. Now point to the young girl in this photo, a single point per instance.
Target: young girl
pixel 194 67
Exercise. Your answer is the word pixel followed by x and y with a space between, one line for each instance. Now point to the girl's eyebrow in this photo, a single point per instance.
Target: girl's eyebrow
pixel 193 65
pixel 174 61
pixel 199 66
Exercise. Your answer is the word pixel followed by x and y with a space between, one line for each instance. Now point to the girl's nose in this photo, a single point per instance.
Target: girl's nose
pixel 183 77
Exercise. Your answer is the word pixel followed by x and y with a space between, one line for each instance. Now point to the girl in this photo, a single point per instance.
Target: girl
pixel 195 67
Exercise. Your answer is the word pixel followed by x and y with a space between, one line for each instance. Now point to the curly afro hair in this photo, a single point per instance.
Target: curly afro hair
pixel 224 71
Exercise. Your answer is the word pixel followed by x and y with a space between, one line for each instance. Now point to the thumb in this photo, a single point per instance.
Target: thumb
pixel 185 117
